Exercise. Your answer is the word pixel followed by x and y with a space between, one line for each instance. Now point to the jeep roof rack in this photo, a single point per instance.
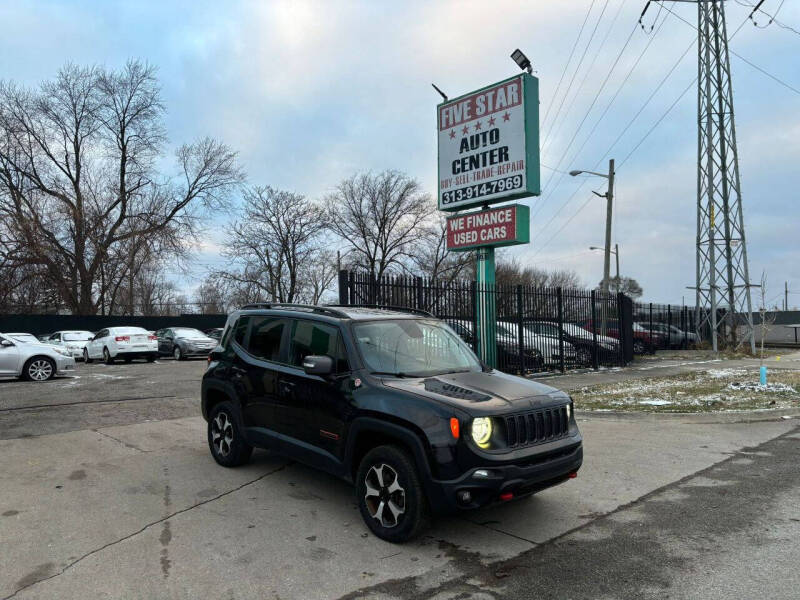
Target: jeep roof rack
pixel 323 310
pixel 416 311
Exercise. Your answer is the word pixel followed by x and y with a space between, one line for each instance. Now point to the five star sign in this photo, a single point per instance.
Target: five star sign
pixel 479 125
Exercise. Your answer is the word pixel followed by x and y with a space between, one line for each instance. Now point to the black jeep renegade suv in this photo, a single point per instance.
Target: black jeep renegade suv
pixel 395 402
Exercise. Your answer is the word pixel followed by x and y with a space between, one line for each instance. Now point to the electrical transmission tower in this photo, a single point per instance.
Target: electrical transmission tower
pixel 723 280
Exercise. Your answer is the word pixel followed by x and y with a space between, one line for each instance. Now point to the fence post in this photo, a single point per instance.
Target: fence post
pixel 474 300
pixel 343 299
pixel 420 297
pixel 594 333
pixel 669 324
pixel 685 327
pixel 520 338
pixel 560 306
pixel 651 329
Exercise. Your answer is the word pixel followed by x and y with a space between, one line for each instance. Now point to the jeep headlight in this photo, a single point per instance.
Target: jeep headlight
pixel 482 431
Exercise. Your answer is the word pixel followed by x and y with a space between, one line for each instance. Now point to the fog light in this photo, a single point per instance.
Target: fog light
pixel 463 497
pixel 481 474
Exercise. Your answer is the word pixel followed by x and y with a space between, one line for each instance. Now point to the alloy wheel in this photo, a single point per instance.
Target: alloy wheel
pixel 177 353
pixel 385 497
pixel 40 370
pixel 222 433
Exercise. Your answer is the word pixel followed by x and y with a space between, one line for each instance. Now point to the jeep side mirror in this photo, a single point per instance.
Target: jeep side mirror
pixel 318 365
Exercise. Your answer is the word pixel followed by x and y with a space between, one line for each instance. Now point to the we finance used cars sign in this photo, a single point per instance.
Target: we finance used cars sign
pixel 503 226
pixel 489 144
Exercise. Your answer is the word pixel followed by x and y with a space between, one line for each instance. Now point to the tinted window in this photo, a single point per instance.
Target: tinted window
pixel 240 330
pixel 311 338
pixel 265 337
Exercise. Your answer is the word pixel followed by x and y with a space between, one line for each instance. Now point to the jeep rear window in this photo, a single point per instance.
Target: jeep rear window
pixel 413 347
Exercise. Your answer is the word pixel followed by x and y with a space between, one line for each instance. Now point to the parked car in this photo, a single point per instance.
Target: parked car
pixel 126 343
pixel 643 341
pixel 581 339
pixel 395 403
pixel 28 338
pixel 507 351
pixel 44 338
pixel 73 341
pixel 671 335
pixel 33 361
pixel 183 342
pixel 215 333
pixel 548 347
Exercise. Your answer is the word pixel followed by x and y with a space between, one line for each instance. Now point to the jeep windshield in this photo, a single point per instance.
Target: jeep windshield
pixel 413 348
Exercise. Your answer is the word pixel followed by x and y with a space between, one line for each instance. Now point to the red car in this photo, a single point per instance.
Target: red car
pixel 643 341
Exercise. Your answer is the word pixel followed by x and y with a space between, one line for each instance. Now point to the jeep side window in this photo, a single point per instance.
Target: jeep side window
pixel 312 338
pixel 266 334
pixel 240 330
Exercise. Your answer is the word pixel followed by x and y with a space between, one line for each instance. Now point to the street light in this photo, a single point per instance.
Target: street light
pixel 615 252
pixel 609 196
pixel 522 61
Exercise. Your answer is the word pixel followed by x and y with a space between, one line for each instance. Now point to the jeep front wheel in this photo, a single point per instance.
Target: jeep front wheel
pixel 390 495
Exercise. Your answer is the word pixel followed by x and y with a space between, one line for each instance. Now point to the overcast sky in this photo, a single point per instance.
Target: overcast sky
pixel 308 93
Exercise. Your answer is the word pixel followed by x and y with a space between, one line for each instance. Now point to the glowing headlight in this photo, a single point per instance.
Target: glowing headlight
pixel 481 431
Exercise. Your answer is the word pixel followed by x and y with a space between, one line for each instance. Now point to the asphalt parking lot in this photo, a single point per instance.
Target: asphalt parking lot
pixel 108 490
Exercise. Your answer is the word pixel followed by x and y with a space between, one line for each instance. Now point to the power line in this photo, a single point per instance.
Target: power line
pixel 739 56
pixel 574 74
pixel 566 66
pixel 589 71
pixel 772 18
pixel 624 130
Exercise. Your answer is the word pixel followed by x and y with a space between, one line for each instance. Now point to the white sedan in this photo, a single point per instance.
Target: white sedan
pixel 126 343
pixel 73 341
pixel 32 360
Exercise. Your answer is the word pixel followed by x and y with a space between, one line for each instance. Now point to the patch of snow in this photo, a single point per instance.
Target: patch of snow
pixel 724 373
pixel 757 387
pixel 655 402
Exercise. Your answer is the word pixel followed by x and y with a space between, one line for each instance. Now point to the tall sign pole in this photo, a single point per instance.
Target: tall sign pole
pixel 489 153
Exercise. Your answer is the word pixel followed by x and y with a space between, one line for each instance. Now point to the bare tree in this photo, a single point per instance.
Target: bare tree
pixel 512 272
pixel 381 218
pixel 431 258
pixel 276 247
pixel 627 285
pixel 79 178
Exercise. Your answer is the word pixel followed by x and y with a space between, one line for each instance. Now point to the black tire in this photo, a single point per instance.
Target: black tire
pixel 414 516
pixel 638 347
pixel 127 359
pixel 107 358
pixel 151 357
pixel 39 368
pixel 225 417
pixel 177 353
pixel 86 358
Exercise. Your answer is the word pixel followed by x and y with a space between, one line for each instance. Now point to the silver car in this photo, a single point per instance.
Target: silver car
pixel 33 361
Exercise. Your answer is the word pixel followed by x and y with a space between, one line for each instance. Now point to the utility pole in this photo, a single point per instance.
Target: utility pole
pixel 609 196
pixel 785 295
pixel 616 254
pixel 722 287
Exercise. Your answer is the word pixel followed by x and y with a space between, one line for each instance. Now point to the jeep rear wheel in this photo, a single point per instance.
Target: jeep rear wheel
pixel 225 438
pixel 390 495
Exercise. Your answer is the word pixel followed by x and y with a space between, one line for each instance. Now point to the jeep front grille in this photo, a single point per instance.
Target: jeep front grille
pixel 537 426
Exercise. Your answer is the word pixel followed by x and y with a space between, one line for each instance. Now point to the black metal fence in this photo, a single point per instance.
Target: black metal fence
pixel 664 326
pixel 537 329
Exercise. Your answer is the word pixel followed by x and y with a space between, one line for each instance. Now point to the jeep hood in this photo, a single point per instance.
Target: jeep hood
pixel 480 393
